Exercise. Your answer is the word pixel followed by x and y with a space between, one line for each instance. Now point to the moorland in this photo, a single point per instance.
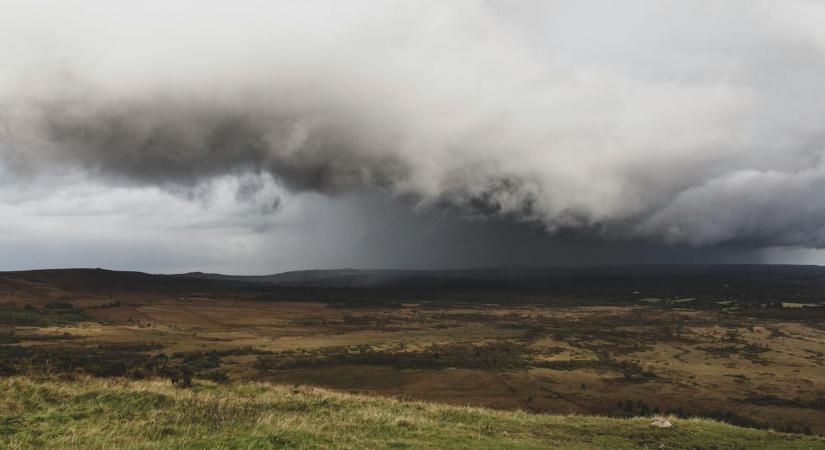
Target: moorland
pixel 737 344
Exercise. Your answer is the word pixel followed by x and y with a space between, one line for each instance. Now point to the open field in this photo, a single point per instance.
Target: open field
pixel 103 414
pixel 752 365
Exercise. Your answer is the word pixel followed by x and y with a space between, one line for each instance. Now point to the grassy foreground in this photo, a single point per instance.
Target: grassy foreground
pixel 111 413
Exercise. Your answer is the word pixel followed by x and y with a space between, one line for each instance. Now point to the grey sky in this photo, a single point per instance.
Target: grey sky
pixel 252 137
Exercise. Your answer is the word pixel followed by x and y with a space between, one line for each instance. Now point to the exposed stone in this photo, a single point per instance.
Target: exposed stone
pixel 661 423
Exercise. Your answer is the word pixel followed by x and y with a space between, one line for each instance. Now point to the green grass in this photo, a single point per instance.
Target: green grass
pixel 103 413
pixel 48 315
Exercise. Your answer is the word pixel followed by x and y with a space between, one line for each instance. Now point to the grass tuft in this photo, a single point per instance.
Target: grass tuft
pixel 94 413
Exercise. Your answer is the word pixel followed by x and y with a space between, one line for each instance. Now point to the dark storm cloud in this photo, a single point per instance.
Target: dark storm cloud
pixel 694 124
pixel 172 142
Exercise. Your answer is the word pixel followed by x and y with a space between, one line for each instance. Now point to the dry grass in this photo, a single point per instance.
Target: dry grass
pixel 704 364
pixel 112 413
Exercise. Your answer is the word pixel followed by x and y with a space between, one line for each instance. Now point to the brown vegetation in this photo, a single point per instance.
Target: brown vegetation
pixel 644 357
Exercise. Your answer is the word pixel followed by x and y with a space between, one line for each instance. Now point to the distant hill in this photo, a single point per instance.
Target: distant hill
pixel 515 276
pixel 749 283
pixel 757 283
pixel 99 285
pixel 330 278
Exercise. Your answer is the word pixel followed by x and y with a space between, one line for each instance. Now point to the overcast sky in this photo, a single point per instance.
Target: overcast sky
pixel 261 136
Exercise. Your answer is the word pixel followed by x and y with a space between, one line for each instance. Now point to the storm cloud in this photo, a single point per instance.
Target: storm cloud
pixel 697 123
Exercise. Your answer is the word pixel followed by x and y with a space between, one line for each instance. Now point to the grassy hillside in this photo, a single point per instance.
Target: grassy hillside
pixel 108 413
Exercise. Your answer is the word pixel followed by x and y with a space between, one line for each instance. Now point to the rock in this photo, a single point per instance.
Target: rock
pixel 661 423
